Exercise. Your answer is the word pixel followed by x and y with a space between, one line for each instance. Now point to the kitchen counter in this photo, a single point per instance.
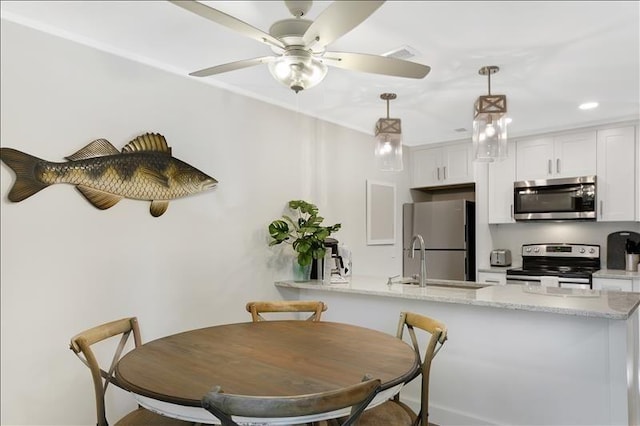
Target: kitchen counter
pixel 566 301
pixel 617 274
pixel 511 349
pixel 499 269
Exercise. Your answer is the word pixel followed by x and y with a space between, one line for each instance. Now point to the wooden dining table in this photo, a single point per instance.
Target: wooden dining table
pixel 170 375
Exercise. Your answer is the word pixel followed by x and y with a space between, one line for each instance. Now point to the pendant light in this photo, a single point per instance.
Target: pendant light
pixel 388 150
pixel 490 123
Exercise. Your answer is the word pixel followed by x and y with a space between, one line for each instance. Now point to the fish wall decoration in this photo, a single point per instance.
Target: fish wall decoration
pixel 144 170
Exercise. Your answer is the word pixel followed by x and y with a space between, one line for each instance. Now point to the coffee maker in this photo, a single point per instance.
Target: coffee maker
pixel 337 264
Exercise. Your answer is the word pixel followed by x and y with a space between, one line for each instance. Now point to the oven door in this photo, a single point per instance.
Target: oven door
pixel 549 281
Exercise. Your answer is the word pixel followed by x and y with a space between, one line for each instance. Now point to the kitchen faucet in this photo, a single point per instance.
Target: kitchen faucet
pixel 423 260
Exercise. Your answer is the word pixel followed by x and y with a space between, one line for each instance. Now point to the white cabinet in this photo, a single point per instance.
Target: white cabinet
pixel 494 278
pixel 616 170
pixel 559 156
pixel 612 284
pixel 502 174
pixel 442 165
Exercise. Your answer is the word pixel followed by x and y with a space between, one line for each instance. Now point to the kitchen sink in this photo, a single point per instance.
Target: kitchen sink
pixel 451 284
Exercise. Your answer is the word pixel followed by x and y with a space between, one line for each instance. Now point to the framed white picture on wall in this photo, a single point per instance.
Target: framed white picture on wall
pixel 381 213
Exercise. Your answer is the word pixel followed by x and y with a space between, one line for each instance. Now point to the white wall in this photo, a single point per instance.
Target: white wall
pixel 66 265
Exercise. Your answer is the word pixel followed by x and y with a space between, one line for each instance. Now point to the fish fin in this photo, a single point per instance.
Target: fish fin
pixel 97 148
pixel 158 207
pixel 100 199
pixel 154 175
pixel 23 165
pixel 148 142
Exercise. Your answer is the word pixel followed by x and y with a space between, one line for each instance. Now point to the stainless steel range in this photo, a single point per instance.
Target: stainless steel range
pixel 557 265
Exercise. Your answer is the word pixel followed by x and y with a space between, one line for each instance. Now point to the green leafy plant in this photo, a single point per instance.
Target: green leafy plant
pixel 303 231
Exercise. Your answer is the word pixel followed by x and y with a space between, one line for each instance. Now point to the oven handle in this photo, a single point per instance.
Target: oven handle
pixel 531 278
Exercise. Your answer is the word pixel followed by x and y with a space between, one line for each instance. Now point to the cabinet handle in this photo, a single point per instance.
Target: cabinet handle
pixel 438 173
pixel 445 172
pixel 557 165
pixel 550 167
pixel 601 209
pixel 511 211
pixel 492 281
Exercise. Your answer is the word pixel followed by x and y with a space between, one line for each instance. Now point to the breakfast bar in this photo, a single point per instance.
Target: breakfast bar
pixel 516 354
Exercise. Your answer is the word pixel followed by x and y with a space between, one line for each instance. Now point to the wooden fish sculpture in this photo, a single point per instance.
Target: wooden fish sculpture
pixel 144 170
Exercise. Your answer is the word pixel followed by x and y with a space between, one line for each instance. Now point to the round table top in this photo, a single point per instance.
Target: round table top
pixel 268 358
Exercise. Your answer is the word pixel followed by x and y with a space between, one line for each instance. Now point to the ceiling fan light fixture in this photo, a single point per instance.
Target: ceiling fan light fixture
pixel 298 70
pixel 490 123
pixel 388 151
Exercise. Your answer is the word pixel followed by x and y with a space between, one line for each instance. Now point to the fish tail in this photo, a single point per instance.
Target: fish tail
pixel 23 165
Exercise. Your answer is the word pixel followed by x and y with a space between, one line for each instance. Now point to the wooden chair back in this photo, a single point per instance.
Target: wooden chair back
pixel 358 396
pixel 81 346
pixel 438 332
pixel 314 307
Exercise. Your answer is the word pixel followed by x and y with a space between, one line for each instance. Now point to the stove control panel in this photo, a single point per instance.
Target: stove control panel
pixel 561 250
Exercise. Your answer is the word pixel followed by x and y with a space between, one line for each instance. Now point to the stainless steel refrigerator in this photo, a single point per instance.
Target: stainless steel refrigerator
pixel 448 230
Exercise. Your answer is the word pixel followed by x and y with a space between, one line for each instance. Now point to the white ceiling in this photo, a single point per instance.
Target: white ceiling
pixel 552 57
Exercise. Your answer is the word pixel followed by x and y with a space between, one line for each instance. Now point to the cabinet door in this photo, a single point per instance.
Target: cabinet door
pixel 502 174
pixel 575 155
pixel 425 167
pixel 457 166
pixel 610 284
pixel 616 171
pixel 534 159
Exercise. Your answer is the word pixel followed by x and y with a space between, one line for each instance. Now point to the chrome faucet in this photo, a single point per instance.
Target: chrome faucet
pixel 423 260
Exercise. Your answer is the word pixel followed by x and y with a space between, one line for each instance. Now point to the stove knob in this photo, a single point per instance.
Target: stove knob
pixel 582 250
pixel 592 250
pixel 537 249
pixel 528 249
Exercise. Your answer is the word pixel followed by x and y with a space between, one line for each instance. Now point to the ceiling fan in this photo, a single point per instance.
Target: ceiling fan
pixel 300 44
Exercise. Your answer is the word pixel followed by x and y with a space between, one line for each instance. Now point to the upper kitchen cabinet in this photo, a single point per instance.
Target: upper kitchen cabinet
pixel 502 174
pixel 617 179
pixel 568 155
pixel 442 165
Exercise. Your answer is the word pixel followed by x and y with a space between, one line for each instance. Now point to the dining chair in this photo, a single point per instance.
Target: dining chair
pixel 357 396
pixel 395 412
pixel 81 346
pixel 316 308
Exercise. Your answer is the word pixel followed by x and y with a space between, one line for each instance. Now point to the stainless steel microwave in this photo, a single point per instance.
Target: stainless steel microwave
pixel 555 199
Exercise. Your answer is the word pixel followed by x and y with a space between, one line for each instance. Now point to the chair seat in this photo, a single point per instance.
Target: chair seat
pixel 143 417
pixel 388 413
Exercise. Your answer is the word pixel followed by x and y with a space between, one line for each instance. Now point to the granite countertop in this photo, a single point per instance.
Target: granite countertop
pixel 580 302
pixel 617 273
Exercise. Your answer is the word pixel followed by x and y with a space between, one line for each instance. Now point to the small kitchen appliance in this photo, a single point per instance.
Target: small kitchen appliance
pixel 556 265
pixel 500 257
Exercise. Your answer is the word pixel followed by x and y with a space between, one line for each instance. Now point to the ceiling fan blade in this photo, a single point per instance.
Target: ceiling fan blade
pixel 338 19
pixel 228 21
pixel 232 66
pixel 376 64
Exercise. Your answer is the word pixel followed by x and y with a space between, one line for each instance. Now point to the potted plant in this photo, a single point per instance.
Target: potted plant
pixel 303 230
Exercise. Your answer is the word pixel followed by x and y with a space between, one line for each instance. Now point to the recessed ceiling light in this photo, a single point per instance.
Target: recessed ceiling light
pixel 588 105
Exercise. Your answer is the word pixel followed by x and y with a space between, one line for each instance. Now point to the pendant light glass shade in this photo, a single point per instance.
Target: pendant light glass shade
pixel 388 151
pixel 490 124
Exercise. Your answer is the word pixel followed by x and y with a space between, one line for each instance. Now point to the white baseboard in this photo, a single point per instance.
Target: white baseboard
pixel 446 416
